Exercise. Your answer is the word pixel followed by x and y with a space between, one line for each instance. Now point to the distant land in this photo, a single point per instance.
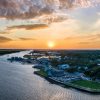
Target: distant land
pixel 8 51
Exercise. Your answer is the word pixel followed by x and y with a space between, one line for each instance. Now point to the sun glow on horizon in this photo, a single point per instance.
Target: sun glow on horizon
pixel 51 44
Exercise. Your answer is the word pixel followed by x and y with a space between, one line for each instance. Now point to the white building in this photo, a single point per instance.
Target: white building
pixel 63 66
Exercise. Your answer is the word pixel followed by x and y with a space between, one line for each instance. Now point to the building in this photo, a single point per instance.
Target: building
pixel 63 66
pixel 55 73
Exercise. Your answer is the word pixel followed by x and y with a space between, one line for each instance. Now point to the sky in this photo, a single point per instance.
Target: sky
pixel 50 24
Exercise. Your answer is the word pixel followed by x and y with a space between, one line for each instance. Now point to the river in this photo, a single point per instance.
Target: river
pixel 18 82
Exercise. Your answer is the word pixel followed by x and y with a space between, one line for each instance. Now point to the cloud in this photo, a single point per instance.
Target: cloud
pixel 98 13
pixel 97 24
pixel 94 37
pixel 27 39
pixel 4 32
pixel 22 9
pixel 87 37
pixel 84 43
pixel 55 17
pixel 28 27
pixel 4 39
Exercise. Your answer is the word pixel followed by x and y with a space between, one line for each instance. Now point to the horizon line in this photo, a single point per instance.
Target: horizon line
pixel 44 49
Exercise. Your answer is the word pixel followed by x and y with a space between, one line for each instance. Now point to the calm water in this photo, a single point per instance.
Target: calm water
pixel 17 82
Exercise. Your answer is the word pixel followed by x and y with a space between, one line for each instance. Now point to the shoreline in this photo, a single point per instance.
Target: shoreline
pixel 84 89
pixel 5 52
pixel 69 85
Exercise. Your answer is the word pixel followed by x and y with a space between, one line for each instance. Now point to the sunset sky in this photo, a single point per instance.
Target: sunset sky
pixel 34 24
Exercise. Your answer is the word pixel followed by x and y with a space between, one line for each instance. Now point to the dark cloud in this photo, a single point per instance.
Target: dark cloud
pixel 22 9
pixel 4 39
pixel 28 27
pixel 27 39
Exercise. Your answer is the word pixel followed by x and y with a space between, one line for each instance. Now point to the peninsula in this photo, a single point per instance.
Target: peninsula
pixel 79 69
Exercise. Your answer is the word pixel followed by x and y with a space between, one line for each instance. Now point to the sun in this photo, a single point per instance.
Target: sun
pixel 51 44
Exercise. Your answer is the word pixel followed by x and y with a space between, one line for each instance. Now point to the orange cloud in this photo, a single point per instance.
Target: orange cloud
pixel 28 27
pixel 4 32
pixel 4 39
pixel 27 39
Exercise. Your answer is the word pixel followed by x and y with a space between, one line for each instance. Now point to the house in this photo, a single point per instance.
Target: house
pixel 98 64
pixel 43 60
pixel 63 66
pixel 55 73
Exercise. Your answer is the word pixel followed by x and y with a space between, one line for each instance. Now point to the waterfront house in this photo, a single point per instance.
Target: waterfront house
pixel 63 66
pixel 43 60
pixel 55 73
